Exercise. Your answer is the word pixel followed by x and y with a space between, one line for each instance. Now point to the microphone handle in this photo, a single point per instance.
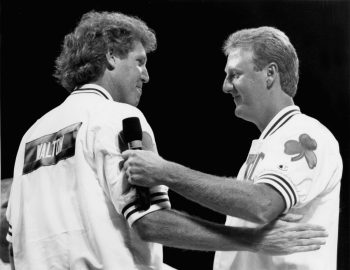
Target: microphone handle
pixel 143 198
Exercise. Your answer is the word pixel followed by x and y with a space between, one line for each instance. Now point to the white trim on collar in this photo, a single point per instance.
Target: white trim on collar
pixel 93 88
pixel 279 120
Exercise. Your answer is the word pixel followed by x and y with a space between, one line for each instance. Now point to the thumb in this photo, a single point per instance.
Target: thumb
pixel 291 217
pixel 127 153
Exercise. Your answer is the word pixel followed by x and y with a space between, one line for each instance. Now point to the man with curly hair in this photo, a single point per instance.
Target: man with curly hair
pixel 71 206
pixel 294 166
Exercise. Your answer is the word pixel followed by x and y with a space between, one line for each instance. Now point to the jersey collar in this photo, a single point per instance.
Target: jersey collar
pixel 92 88
pixel 279 120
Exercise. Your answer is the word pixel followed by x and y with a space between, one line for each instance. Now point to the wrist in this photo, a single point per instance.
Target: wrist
pixel 172 171
pixel 253 237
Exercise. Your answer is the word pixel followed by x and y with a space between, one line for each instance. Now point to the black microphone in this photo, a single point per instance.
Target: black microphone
pixel 132 134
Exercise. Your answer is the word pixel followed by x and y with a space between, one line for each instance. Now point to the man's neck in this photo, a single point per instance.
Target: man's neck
pixel 104 83
pixel 271 111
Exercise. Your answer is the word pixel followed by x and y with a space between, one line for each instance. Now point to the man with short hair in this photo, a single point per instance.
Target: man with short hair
pixel 293 167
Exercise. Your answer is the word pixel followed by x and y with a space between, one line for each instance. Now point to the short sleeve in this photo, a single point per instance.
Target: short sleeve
pixel 159 200
pixel 294 167
pixel 107 148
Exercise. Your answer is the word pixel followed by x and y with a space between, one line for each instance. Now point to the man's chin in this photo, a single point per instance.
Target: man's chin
pixel 137 101
pixel 134 102
pixel 239 112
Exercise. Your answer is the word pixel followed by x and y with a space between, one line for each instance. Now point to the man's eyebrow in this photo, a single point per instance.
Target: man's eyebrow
pixel 231 69
pixel 142 57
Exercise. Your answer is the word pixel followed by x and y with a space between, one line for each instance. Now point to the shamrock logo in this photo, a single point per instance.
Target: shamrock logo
pixel 304 148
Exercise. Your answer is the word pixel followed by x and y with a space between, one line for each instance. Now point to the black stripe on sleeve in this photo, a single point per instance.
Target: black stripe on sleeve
pixel 274 180
pixel 159 201
pixel 284 181
pixel 279 192
pixel 126 207
pixel 131 212
pixel 158 194
pixel 138 209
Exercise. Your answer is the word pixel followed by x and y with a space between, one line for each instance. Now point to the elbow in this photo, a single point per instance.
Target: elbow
pixel 268 206
pixel 266 212
pixel 144 229
pixel 265 217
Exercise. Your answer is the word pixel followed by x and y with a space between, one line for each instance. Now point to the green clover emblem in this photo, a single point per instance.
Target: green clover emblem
pixel 302 148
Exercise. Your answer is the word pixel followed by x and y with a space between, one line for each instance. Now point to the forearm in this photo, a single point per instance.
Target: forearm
pixel 225 195
pixel 259 203
pixel 175 229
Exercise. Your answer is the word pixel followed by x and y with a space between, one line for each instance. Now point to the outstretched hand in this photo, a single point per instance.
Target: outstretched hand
pixel 284 236
pixel 144 168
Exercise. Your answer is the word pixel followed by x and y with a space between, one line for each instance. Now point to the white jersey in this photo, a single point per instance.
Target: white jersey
pixel 299 158
pixel 71 206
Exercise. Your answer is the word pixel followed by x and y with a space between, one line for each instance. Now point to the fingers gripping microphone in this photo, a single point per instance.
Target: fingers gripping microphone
pixel 132 134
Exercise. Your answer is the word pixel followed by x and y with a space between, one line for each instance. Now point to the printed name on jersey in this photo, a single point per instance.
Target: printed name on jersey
pixel 50 149
pixel 303 148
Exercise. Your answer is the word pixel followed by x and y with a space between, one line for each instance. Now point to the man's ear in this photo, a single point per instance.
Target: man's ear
pixel 112 60
pixel 271 74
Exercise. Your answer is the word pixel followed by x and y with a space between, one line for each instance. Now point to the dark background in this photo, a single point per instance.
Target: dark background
pixel 192 118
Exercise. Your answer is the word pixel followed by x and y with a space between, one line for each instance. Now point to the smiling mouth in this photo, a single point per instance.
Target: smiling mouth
pixel 237 98
pixel 139 89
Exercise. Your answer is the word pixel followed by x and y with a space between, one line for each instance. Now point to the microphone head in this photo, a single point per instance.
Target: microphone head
pixel 132 130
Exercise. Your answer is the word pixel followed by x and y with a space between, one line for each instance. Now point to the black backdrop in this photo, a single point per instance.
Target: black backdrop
pixel 193 120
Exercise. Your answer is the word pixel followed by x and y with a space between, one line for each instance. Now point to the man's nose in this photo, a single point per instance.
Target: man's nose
pixel 144 75
pixel 227 87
